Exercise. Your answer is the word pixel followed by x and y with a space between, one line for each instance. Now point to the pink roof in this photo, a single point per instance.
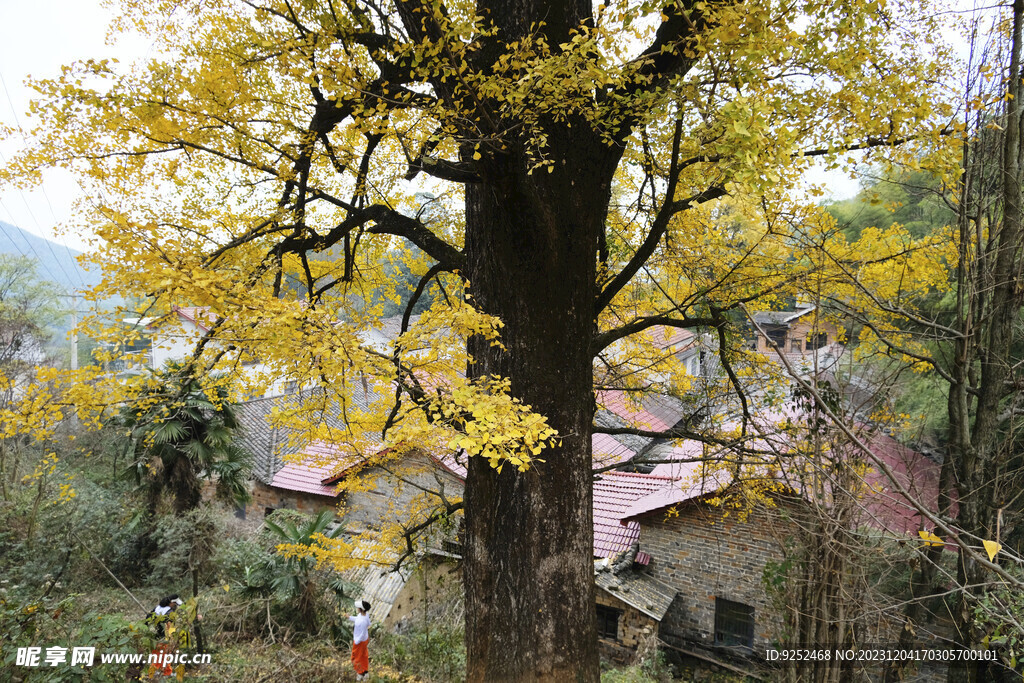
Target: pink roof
pixel 325 465
pixel 918 474
pixel 693 485
pixel 309 475
pixel 614 492
pixel 671 338
pixel 683 452
pixel 883 507
pixel 607 451
pixel 615 401
pixel 449 461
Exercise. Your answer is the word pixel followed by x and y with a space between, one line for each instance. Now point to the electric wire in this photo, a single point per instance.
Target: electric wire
pixel 70 281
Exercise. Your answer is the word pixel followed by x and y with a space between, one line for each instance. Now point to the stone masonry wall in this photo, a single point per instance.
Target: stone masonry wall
pixel 634 628
pixel 705 553
pixel 634 625
pixel 432 593
pixel 264 497
pixel 379 497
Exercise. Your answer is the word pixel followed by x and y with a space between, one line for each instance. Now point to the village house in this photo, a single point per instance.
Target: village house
pixel 691 571
pixel 800 335
pixel 293 474
pixel 367 490
pixel 714 558
pixel 630 604
pixel 671 567
pixel 171 338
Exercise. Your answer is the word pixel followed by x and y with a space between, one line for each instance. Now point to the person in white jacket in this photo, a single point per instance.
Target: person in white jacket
pixel 361 640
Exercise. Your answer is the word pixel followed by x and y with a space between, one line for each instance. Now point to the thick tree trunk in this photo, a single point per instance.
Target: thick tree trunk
pixel 528 563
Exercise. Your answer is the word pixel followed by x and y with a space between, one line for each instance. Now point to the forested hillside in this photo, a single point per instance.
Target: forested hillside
pixel 57 263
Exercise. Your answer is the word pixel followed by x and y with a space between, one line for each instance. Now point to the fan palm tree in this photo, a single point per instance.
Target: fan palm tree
pixel 294 580
pixel 183 433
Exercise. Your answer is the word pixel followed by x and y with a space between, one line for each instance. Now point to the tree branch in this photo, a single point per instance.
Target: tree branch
pixel 604 339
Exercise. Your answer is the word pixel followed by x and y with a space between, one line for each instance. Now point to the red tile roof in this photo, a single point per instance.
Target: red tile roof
pixel 197 315
pixel 614 492
pixel 308 475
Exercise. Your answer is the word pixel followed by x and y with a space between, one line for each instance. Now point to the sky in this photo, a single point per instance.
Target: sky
pixel 76 29
pixel 72 29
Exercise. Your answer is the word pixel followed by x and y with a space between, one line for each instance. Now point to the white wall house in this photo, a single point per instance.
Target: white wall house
pixel 173 337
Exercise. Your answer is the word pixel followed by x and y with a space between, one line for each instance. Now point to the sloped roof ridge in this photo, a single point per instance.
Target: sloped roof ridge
pixel 639 475
pixel 296 395
pixel 191 313
pixel 638 589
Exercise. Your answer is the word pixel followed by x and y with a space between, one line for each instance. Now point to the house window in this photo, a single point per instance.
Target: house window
pixel 608 622
pixel 777 335
pixel 815 342
pixel 734 623
pixel 795 346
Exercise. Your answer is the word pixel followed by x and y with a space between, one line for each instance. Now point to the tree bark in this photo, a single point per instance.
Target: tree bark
pixel 978 445
pixel 531 242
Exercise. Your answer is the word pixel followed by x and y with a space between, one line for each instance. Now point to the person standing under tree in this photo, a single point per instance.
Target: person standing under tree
pixel 361 640
pixel 162 618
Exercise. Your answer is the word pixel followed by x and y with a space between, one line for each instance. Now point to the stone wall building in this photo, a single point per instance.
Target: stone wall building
pixel 716 562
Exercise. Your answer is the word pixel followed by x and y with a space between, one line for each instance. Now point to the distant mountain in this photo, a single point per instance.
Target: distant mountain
pixel 56 262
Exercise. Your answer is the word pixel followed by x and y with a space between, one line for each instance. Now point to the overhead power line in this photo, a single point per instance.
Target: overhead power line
pixel 49 245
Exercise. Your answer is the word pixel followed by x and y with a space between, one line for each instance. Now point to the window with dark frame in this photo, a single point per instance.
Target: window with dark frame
pixel 777 335
pixel 815 342
pixel 608 622
pixel 734 624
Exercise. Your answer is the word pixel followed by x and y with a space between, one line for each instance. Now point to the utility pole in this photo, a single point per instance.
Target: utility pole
pixel 74 328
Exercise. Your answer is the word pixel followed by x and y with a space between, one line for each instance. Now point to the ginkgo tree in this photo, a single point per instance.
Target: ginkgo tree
pixel 599 171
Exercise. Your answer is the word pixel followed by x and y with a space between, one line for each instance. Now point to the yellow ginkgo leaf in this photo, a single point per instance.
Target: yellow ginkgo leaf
pixel 991 547
pixel 933 540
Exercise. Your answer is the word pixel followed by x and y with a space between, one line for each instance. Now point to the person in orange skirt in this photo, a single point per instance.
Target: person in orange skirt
pixel 361 640
pixel 162 618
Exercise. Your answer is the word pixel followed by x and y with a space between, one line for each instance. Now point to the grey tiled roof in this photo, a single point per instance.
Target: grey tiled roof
pixel 636 588
pixel 268 442
pixel 379 587
pixel 608 419
pixel 666 408
pixel 779 317
pixel 388 331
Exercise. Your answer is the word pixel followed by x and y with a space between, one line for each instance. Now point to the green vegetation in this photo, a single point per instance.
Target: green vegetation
pixel 912 199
